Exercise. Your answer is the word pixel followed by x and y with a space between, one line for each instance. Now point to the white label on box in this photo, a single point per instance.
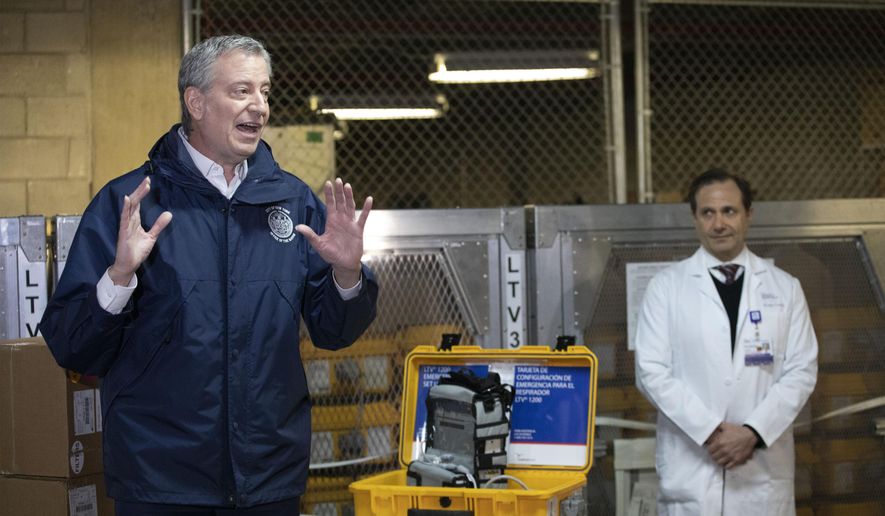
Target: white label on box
pixel 97 410
pixel 319 375
pixel 380 441
pixel 77 457
pixel 377 374
pixel 83 501
pixel 321 447
pixel 84 412
pixel 325 509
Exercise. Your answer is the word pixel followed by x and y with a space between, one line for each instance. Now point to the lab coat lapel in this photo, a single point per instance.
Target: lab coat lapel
pixel 704 281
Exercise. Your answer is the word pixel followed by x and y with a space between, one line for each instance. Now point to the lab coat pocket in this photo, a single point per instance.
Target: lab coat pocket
pixel 763 498
pixel 779 334
pixel 781 502
pixel 679 463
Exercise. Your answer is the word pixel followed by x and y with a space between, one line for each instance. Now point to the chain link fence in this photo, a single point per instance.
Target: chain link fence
pixel 496 145
pixel 791 97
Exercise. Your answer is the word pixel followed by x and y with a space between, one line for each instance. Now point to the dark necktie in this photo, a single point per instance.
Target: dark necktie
pixel 729 270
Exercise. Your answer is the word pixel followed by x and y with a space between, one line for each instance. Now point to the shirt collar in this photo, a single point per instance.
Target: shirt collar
pixel 711 261
pixel 205 165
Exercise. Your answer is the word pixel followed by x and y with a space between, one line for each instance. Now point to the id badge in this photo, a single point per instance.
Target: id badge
pixel 757 352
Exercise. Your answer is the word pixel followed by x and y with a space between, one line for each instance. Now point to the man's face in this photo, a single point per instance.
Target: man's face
pixel 229 118
pixel 721 219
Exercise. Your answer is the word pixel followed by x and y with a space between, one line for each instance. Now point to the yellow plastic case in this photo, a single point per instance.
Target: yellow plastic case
pixel 554 472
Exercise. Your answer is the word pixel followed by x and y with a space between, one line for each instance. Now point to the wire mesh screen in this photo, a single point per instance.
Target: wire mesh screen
pixel 840 462
pixel 357 391
pixel 790 97
pixel 497 145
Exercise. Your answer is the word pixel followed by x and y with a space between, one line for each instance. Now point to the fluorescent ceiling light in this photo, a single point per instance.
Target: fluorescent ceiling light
pixel 490 67
pixel 380 113
pixel 379 107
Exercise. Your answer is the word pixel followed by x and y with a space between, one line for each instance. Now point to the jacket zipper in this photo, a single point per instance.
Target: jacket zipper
pixel 232 496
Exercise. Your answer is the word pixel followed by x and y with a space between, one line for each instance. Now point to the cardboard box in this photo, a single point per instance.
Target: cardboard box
pixel 84 496
pixel 51 426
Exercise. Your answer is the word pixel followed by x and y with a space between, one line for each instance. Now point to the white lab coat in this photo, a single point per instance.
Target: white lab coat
pixel 685 367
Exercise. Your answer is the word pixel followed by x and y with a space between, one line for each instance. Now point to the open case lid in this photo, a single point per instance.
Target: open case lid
pixel 554 408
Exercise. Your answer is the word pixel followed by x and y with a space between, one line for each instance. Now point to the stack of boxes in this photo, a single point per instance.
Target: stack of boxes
pixel 353 418
pixel 50 423
pixel 50 436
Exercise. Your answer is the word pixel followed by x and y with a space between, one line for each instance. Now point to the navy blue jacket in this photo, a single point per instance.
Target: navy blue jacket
pixel 204 396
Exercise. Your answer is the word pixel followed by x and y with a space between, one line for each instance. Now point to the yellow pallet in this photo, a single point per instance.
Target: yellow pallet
pixel 328 508
pixel 620 399
pixel 869 384
pixel 316 483
pixel 845 318
pixel 845 478
pixel 549 483
pixel 347 417
pixel 872 508
pixel 336 502
pixel 344 432
pixel 368 366
pixel 840 450
pixel 332 446
pixel 411 337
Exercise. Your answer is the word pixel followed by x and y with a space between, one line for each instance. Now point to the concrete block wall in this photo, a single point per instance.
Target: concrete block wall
pixel 86 87
pixel 45 106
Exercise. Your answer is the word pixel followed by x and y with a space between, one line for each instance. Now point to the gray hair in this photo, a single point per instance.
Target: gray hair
pixel 196 65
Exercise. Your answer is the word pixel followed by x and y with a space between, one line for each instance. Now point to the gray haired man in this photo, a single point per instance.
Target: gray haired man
pixel 193 321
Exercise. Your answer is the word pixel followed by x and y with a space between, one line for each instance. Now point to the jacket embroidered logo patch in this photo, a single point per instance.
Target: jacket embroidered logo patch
pixel 281 227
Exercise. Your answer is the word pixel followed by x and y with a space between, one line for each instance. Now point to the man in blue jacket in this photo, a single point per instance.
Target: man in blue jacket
pixel 193 324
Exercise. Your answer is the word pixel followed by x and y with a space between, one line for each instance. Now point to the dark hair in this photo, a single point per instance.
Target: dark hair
pixel 196 65
pixel 718 175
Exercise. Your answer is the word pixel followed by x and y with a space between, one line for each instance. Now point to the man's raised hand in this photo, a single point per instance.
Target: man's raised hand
pixel 134 244
pixel 341 244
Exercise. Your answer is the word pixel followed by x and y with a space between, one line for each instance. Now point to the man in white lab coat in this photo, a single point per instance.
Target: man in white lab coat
pixel 726 352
